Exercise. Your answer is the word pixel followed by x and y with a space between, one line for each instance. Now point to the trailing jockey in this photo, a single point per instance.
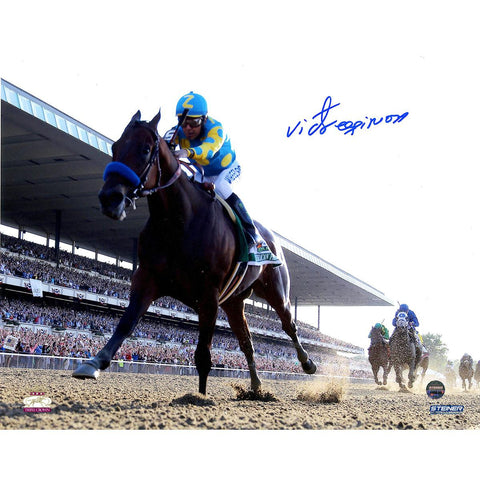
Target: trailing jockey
pixel 384 334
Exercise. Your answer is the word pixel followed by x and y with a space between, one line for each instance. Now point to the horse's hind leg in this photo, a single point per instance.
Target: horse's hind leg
pixel 236 318
pixel 273 285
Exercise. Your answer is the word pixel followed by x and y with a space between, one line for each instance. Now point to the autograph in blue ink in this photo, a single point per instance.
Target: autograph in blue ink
pixel 320 125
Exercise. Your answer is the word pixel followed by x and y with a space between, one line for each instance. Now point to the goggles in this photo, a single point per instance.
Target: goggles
pixel 193 122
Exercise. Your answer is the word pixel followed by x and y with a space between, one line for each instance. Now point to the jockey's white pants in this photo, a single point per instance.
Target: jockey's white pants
pixel 223 181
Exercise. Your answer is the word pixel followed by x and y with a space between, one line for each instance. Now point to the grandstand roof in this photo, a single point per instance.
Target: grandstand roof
pixel 51 172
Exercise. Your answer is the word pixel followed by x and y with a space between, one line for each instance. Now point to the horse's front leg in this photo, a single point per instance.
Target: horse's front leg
pixel 140 298
pixel 399 376
pixel 386 371
pixel 207 315
pixel 412 374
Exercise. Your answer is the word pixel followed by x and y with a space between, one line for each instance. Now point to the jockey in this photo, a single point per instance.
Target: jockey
pixel 202 140
pixel 383 330
pixel 410 316
pixel 467 358
pixel 404 312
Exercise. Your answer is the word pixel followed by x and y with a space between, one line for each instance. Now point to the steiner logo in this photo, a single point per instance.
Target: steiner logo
pixel 446 409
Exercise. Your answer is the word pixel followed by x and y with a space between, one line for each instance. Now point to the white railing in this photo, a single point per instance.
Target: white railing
pixel 48 362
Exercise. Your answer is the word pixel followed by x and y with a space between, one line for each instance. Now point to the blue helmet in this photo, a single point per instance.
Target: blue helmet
pixel 195 103
pixel 403 307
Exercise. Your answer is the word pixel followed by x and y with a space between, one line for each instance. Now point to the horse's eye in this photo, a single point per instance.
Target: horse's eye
pixel 146 150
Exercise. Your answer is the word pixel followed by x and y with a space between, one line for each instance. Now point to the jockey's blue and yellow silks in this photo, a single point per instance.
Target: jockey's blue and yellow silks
pixel 212 149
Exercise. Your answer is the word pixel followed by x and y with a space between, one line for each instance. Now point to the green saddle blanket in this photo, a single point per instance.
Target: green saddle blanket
pixel 242 240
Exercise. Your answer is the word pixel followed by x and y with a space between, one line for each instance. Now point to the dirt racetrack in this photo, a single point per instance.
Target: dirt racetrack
pixel 164 402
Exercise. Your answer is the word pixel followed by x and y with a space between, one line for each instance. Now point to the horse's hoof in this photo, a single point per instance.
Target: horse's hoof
pixel 309 367
pixel 410 384
pixel 85 370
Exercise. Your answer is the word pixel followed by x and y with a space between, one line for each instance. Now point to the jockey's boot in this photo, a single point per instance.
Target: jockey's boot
pixel 254 240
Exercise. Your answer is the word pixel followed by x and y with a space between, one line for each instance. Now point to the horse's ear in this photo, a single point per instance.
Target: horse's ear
pixel 136 117
pixel 154 121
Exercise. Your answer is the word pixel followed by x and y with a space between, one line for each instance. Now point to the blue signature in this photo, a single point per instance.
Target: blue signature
pixel 320 124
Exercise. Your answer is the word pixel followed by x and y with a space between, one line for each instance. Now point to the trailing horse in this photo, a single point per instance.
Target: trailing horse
pixel 403 354
pixel 450 376
pixel 188 250
pixel 423 364
pixel 465 370
pixel 476 375
pixel 378 355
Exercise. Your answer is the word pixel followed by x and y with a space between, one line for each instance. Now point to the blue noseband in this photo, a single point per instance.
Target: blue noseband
pixel 122 170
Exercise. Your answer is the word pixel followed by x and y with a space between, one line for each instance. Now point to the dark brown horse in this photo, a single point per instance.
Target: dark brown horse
pixel 187 251
pixel 423 364
pixel 379 355
pixel 465 370
pixel 403 354
pixel 476 375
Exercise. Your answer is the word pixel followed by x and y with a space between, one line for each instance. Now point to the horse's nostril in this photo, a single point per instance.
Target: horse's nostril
pixel 112 198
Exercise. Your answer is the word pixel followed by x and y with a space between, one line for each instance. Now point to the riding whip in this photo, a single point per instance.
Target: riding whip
pixel 180 123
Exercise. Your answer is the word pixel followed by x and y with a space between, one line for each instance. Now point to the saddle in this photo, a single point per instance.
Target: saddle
pixel 245 257
pixel 240 269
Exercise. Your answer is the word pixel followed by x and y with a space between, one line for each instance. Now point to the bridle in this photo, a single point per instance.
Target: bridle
pixel 141 191
pixel 139 181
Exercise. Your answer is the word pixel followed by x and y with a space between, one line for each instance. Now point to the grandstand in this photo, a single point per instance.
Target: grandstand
pixel 51 170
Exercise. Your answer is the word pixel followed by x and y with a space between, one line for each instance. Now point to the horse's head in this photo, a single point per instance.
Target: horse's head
pixel 134 155
pixel 376 336
pixel 466 360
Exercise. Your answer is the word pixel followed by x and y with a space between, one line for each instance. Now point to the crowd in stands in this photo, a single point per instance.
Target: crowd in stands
pixel 154 341
pixel 35 250
pixel 78 333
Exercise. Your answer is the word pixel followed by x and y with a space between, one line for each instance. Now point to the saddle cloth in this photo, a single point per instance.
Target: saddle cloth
pixel 256 256
pixel 260 253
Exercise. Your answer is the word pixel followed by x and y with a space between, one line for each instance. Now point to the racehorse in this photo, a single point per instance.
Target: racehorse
pixel 450 376
pixel 476 375
pixel 403 353
pixel 187 250
pixel 423 364
pixel 465 370
pixel 378 355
